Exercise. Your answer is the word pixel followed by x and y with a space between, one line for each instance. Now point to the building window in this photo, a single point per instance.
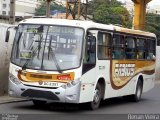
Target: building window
pixel 4 6
pixel 3 12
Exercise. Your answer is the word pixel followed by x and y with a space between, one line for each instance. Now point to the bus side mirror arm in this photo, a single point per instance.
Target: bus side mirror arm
pixel 8 32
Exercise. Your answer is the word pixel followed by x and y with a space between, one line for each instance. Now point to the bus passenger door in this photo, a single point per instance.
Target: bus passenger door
pixel 104 61
pixel 88 71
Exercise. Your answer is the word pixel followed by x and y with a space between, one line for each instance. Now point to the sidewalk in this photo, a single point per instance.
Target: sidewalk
pixel 7 99
pixel 157 81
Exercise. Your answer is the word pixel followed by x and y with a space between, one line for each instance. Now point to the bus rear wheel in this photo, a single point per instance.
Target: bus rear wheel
pixel 138 93
pixel 39 103
pixel 137 96
pixel 96 98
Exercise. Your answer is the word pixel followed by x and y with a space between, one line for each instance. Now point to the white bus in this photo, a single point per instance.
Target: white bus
pixel 73 61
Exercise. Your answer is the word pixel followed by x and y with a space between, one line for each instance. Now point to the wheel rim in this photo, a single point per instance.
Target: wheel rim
pixel 96 96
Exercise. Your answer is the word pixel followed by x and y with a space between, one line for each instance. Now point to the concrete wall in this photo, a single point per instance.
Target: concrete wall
pixel 22 7
pixel 158 63
pixel 5 49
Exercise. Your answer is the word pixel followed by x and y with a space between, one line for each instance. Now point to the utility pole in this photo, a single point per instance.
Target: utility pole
pixel 140 13
pixel 67 9
pixel 86 6
pixel 75 8
pixel 12 12
pixel 79 9
pixel 71 8
pixel 48 8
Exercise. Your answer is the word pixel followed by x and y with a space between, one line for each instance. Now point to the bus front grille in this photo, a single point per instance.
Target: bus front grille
pixel 39 94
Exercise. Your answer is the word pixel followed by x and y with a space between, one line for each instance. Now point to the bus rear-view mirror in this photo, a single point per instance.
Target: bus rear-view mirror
pixel 8 32
pixel 7 36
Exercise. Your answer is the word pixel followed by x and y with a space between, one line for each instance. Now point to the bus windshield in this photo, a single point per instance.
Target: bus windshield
pixel 47 47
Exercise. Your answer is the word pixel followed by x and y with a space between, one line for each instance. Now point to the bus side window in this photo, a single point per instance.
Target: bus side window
pixel 151 52
pixel 118 47
pixel 141 48
pixel 104 48
pixel 130 48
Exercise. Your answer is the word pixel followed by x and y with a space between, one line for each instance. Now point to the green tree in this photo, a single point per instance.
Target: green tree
pixel 41 10
pixel 109 12
pixel 153 23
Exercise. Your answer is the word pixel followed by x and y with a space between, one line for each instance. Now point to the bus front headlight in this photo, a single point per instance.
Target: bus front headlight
pixel 71 84
pixel 14 79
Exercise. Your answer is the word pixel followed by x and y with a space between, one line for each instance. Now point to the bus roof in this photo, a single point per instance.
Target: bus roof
pixel 132 31
pixel 85 25
pixel 65 22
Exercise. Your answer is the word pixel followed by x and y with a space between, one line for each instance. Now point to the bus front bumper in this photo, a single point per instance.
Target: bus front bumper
pixel 69 95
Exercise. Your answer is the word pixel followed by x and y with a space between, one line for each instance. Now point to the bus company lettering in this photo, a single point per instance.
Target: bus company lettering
pixel 124 70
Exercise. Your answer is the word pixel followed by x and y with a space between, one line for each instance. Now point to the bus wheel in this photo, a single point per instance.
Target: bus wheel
pixel 39 103
pixel 97 98
pixel 137 96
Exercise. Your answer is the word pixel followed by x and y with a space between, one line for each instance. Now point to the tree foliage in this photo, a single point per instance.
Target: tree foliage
pixel 41 10
pixel 153 24
pixel 109 12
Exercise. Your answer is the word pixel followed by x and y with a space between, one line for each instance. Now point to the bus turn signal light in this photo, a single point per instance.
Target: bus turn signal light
pixel 64 77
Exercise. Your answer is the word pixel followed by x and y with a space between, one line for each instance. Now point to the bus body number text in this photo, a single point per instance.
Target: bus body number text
pixel 124 70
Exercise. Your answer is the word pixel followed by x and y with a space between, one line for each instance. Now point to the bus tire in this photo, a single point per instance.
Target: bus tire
pixel 39 103
pixel 96 98
pixel 137 96
pixel 138 93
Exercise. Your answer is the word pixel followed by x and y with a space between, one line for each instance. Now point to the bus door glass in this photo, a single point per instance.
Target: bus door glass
pixel 90 52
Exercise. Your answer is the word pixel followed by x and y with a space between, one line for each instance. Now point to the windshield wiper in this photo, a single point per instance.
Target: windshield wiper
pixel 26 63
pixel 53 54
pixel 33 54
pixel 55 61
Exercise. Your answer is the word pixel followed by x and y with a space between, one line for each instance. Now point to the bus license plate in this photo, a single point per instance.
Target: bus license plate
pixel 50 84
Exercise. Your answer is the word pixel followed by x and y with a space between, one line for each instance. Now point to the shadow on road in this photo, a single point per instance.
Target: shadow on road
pixel 75 108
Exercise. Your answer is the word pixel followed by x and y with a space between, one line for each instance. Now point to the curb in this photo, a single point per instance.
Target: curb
pixel 14 101
pixel 7 99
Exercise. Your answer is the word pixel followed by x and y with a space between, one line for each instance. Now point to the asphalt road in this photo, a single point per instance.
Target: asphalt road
pixel 116 108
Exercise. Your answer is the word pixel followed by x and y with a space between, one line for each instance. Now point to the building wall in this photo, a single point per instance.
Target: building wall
pixel 5 51
pixel 22 7
pixel 158 63
pixel 5 8
pixel 25 7
pixel 153 9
